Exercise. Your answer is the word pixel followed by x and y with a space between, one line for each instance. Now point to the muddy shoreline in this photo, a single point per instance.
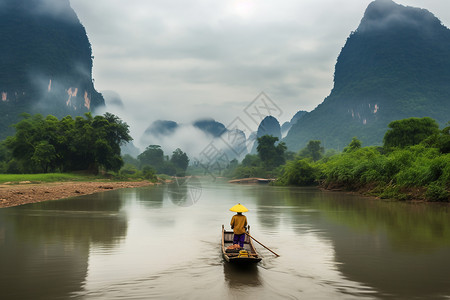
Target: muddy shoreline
pixel 14 194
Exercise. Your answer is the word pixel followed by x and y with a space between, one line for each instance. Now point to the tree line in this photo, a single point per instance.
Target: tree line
pixel 153 161
pixel 412 163
pixel 42 145
pixel 88 143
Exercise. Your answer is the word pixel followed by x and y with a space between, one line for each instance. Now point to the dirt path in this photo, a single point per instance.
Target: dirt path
pixel 27 192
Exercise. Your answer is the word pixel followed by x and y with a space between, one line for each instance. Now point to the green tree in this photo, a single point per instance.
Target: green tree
pixel 409 132
pixel 116 132
pixel 180 160
pixel 299 172
pixel 168 168
pixel 128 159
pixel 251 166
pixel 152 156
pixel 109 133
pixel 444 140
pixel 95 142
pixel 44 156
pixel 313 150
pixel 271 156
pixel 149 173
pixel 251 160
pixel 5 157
pixel 441 140
pixel 27 135
pixel 354 145
pixel 82 144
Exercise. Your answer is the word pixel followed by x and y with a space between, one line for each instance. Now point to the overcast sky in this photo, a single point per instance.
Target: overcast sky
pixel 183 60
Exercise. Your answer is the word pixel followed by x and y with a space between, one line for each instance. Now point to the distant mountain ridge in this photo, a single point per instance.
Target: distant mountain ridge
pixel 230 142
pixel 287 125
pixel 210 126
pixel 46 61
pixel 395 65
pixel 161 128
pixel 268 126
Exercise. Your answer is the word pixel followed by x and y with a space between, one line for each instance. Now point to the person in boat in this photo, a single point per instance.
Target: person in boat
pixel 239 224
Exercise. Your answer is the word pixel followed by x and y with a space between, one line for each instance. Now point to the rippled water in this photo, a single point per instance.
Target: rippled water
pixel 164 243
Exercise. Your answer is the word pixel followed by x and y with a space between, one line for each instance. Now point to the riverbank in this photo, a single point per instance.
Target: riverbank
pixel 388 192
pixel 14 194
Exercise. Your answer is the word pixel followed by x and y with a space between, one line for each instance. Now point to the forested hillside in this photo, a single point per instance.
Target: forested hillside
pixel 45 62
pixel 395 65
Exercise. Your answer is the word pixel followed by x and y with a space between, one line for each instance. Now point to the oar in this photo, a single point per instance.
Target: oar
pixel 261 244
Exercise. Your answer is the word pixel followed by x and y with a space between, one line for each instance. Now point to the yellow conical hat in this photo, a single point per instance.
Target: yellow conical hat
pixel 239 208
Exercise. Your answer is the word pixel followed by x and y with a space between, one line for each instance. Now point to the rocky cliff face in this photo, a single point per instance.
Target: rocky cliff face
pixel 395 65
pixel 46 61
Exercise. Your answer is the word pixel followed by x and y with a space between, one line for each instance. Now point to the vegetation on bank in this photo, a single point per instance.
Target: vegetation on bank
pixel 413 163
pixel 271 155
pixel 87 145
pixel 44 145
pixel 153 161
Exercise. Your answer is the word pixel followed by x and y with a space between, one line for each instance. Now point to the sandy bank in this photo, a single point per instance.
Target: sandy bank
pixel 23 193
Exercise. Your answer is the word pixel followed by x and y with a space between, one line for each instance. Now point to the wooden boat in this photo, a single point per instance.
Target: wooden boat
pixel 236 257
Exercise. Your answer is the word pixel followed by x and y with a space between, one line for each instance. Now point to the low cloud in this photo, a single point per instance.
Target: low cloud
pixel 187 137
pixel 182 61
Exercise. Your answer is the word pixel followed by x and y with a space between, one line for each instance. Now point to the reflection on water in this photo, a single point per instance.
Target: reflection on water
pixel 240 277
pixel 157 242
pixel 45 246
pixel 396 247
pixel 185 191
pixel 154 200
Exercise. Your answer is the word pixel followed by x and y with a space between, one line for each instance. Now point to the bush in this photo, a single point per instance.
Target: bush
pixel 397 160
pixel 149 173
pixel 14 167
pixel 354 167
pixel 437 192
pixel 375 172
pixel 442 167
pixel 248 172
pixel 300 173
pixel 393 192
pixel 128 169
pixel 412 177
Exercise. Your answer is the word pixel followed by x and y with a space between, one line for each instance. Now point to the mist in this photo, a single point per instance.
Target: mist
pixel 173 60
pixel 186 136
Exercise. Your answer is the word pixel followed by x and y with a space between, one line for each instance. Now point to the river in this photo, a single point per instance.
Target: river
pixel 164 243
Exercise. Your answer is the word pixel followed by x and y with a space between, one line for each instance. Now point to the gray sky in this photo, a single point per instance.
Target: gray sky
pixel 183 60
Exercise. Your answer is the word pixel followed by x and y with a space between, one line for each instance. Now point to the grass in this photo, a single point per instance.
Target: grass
pixel 49 177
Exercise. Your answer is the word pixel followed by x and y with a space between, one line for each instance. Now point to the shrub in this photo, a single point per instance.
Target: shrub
pixel 437 192
pixel 14 167
pixel 128 169
pixel 397 161
pixel 149 173
pixel 248 172
pixel 393 192
pixel 299 172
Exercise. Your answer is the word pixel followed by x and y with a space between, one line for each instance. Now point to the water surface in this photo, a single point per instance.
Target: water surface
pixel 164 243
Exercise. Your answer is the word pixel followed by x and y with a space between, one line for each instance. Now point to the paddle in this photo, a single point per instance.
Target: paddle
pixel 261 244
